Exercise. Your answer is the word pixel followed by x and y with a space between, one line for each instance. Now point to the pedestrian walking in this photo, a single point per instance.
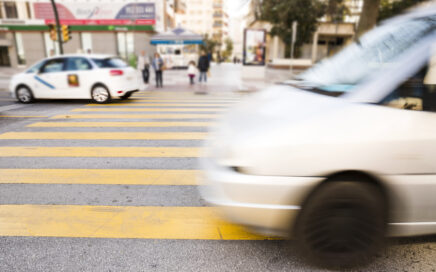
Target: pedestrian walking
pixel 203 66
pixel 192 71
pixel 158 66
pixel 143 66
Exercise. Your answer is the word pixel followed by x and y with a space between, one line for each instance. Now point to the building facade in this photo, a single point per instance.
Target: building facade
pixel 205 17
pixel 116 27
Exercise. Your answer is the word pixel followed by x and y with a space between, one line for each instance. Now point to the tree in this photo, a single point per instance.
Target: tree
pixel 336 10
pixel 368 16
pixel 209 45
pixel 281 14
pixel 227 53
pixel 389 8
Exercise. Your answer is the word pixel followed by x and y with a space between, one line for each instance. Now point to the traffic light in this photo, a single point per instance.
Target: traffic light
pixel 53 34
pixel 66 34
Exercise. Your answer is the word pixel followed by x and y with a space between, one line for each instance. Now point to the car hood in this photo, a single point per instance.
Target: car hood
pixel 276 107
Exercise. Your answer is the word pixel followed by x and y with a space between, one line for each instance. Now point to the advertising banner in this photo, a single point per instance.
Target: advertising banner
pixel 76 13
pixel 254 47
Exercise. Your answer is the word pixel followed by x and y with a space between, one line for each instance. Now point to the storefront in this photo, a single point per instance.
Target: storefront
pixel 177 47
pixel 118 28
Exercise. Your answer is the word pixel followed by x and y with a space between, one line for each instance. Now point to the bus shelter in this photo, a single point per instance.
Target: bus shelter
pixel 177 47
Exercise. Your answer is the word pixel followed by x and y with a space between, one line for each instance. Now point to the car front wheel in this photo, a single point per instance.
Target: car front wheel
pixel 24 95
pixel 342 224
pixel 100 94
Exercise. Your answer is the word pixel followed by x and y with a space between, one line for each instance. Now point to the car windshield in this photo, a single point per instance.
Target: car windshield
pixel 375 50
pixel 110 63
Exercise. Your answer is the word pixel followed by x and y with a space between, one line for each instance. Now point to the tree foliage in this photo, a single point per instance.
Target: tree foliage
pixel 209 45
pixel 389 8
pixel 281 14
pixel 336 10
pixel 227 53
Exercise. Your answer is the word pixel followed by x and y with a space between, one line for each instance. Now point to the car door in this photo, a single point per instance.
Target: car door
pixel 79 76
pixel 48 80
pixel 415 181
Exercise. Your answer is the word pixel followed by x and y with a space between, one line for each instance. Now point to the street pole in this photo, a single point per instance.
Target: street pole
pixel 58 26
pixel 293 39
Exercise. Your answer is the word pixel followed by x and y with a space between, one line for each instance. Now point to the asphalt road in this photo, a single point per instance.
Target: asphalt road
pixel 66 206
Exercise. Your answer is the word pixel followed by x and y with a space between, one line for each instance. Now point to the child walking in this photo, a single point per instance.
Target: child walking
pixel 192 71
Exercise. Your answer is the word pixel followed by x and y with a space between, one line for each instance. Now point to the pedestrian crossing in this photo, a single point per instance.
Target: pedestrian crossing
pixel 114 144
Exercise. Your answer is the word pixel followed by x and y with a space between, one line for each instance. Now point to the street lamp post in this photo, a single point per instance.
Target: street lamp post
pixel 58 26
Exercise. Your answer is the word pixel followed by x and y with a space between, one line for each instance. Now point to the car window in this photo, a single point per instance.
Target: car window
pixel 110 63
pixel 417 92
pixel 35 68
pixel 53 65
pixel 77 64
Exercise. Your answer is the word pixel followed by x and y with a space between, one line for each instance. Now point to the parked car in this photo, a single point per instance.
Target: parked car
pixel 341 156
pixel 81 76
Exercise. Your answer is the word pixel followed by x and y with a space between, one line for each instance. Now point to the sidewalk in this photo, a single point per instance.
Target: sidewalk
pixel 224 77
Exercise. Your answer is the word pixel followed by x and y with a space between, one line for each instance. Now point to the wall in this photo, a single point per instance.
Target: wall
pixel 73 45
pixel 142 42
pixel 104 43
pixel 34 50
pixel 12 50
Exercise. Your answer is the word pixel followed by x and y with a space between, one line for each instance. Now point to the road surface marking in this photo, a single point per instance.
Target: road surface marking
pixel 11 107
pixel 136 116
pixel 103 135
pixel 155 152
pixel 157 105
pixel 147 109
pixel 120 124
pixel 118 222
pixel 184 101
pixel 100 176
pixel 21 116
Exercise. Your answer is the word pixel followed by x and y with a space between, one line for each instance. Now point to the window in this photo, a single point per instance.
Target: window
pixel 35 68
pixel 77 64
pixel 51 47
pixel 4 56
pixel 53 65
pixel 86 40
pixel 418 92
pixel 125 44
pixel 20 48
pixel 11 10
pixel 110 63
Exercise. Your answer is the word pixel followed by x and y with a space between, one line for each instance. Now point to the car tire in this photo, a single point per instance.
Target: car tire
pixel 126 96
pixel 342 224
pixel 100 94
pixel 24 95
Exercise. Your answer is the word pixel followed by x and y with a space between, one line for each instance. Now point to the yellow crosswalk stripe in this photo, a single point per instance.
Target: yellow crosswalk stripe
pixel 182 101
pixel 120 124
pixel 39 151
pixel 21 116
pixel 136 116
pixel 118 222
pixel 159 105
pixel 103 135
pixel 147 109
pixel 100 176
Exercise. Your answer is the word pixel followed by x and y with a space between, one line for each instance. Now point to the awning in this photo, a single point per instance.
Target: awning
pixel 177 36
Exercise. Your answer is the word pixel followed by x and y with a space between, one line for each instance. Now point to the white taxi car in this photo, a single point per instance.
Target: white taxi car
pixel 342 156
pixel 91 76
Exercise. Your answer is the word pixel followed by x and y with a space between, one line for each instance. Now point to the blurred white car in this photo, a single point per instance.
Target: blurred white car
pixel 82 76
pixel 342 156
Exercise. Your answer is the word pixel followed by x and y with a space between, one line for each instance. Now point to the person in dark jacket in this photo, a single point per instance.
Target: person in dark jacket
pixel 158 66
pixel 203 66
